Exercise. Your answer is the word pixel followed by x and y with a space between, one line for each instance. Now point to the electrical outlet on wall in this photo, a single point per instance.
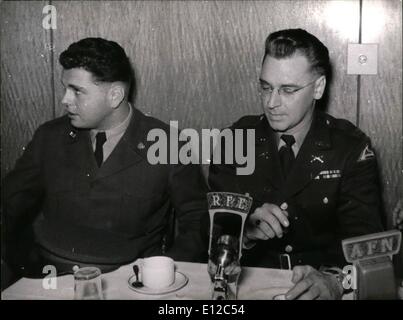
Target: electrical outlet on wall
pixel 362 58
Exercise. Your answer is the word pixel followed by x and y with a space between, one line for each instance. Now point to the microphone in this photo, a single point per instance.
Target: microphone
pixel 373 275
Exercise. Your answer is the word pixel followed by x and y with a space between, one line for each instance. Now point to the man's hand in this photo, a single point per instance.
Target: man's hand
pixel 267 222
pixel 311 284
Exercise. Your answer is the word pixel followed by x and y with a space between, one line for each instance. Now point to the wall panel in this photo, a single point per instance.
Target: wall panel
pixel 198 61
pixel 381 94
pixel 26 85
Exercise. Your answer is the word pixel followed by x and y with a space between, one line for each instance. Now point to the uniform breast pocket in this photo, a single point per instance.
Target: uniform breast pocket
pixel 123 215
pixel 319 203
pixel 137 212
pixel 66 180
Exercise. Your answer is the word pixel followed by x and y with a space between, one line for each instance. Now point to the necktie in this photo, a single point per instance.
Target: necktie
pixel 100 139
pixel 286 154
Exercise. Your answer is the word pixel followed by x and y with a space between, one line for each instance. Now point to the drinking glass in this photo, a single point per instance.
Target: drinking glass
pixel 88 284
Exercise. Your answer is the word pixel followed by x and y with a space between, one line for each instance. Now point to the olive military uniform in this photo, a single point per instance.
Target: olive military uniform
pixel 332 191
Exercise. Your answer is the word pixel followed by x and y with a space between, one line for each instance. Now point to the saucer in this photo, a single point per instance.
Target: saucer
pixel 180 281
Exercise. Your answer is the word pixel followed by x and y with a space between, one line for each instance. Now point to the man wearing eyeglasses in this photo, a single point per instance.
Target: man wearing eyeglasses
pixel 315 179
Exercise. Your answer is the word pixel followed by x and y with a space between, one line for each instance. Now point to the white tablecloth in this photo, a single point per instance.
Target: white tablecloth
pixel 254 283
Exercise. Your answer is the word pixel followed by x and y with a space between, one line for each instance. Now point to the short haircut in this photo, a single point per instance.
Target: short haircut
pixel 106 60
pixel 286 43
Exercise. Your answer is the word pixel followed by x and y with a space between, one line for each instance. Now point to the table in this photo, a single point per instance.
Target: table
pixel 254 283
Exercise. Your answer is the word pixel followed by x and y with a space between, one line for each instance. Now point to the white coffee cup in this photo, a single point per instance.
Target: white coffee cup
pixel 157 272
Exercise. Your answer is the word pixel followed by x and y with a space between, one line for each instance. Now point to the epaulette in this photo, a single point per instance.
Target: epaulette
pixel 343 126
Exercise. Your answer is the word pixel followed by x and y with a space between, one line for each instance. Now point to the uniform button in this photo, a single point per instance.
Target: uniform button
pixel 325 200
pixel 288 249
pixel 295 218
pixel 141 146
pixel 88 175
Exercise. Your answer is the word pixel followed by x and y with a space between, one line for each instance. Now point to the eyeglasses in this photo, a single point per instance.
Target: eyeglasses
pixel 266 89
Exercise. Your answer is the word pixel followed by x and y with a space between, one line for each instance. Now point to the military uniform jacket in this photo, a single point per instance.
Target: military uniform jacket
pixel 332 190
pixel 112 214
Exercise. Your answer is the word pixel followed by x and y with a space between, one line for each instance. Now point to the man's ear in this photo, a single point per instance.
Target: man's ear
pixel 320 85
pixel 116 94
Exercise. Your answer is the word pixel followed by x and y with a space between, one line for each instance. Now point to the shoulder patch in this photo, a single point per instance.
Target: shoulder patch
pixel 366 154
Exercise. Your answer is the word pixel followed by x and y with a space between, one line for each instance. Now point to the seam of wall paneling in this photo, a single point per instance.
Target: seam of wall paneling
pixel 52 70
pixel 359 76
pixel 358 101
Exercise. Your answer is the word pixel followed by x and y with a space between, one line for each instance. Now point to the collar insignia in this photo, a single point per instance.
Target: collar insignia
pixel 317 158
pixel 72 134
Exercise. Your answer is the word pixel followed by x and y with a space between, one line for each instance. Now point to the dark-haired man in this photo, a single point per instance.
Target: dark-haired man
pixel 85 183
pixel 315 180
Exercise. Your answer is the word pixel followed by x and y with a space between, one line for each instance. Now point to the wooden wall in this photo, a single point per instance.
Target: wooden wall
pixel 381 95
pixel 198 62
pixel 26 77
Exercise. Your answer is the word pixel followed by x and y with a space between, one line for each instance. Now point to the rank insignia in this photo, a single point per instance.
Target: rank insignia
pixel 72 134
